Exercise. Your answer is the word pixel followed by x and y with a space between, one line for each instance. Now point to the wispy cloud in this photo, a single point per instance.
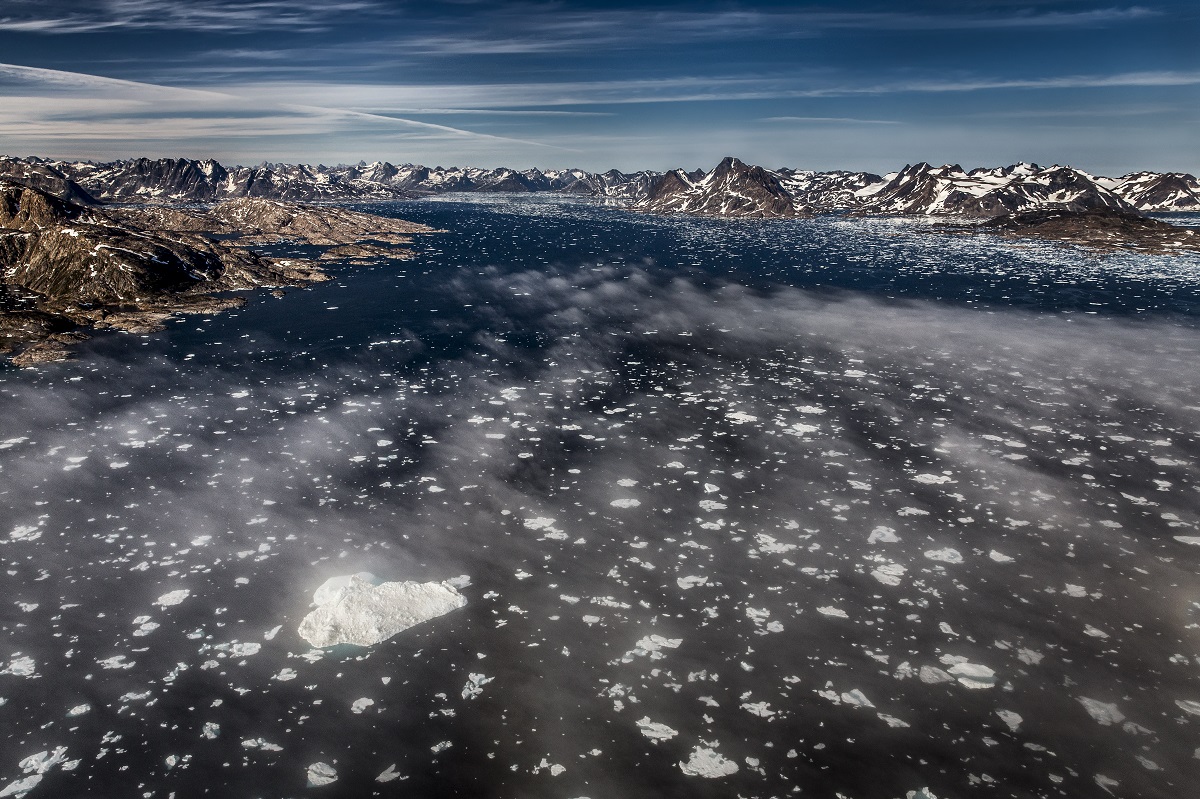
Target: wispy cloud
pixel 388 99
pixel 55 105
pixel 58 17
pixel 517 30
pixel 849 120
pixel 521 28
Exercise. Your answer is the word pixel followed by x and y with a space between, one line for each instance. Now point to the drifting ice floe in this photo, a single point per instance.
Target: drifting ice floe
pixel 705 762
pixel 321 774
pixel 946 555
pixel 173 598
pixel 1104 712
pixel 474 686
pixel 654 730
pixel 360 613
pixel 973 675
pixel 1013 720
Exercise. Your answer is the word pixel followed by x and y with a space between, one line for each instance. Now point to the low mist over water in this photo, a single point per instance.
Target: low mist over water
pixel 757 509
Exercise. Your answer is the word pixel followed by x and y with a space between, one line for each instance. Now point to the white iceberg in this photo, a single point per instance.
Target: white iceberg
pixel 321 774
pixel 354 611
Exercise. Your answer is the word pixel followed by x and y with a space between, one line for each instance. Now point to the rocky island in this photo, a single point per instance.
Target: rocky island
pixel 70 267
pixel 1103 230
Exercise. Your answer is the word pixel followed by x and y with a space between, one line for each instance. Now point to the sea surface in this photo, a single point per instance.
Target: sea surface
pixel 825 508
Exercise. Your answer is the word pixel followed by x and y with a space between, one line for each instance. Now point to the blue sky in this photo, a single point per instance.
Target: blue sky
pixel 1107 87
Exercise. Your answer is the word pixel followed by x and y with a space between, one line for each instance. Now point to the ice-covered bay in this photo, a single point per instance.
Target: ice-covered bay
pixel 726 534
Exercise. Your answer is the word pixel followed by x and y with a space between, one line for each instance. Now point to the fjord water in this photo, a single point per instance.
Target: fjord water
pixel 748 508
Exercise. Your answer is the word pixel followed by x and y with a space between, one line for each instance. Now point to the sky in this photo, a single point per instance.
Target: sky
pixel 1103 86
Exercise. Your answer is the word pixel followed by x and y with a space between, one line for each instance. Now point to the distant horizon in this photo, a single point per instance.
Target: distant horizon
pixel 1111 88
pixel 708 168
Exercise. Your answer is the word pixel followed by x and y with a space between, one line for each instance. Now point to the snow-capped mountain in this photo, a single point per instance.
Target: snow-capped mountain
pixel 1152 191
pixel 949 190
pixel 181 180
pixel 826 191
pixel 732 189
pixel 917 189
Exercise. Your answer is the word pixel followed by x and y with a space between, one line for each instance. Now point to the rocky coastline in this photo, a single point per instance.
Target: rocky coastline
pixel 70 268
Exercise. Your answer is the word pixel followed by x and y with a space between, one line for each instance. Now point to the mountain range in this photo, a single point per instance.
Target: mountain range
pixel 731 189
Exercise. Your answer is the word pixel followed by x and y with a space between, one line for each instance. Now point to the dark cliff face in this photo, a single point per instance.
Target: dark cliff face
pixel 26 208
pixel 732 189
pixel 66 267
pixel 45 178
pixel 72 256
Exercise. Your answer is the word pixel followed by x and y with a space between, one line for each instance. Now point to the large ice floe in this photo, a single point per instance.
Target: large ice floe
pixel 355 610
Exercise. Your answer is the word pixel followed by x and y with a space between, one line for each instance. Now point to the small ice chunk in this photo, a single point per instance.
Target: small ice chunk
pixel 321 774
pixel 857 698
pixel 173 597
pixel 889 573
pixel 1189 706
pixel 946 555
pixel 1010 718
pixel 690 582
pixel 1105 713
pixel 388 774
pixel 832 611
pixel 116 662
pixel 760 709
pixel 261 743
pixel 999 558
pixel 974 675
pixel 474 686
pixel 25 532
pixel 705 762
pixel 932 479
pixel 653 645
pixel 883 535
pixel 20 666
pixel 740 417
pixel 359 705
pixel 932 675
pixel 625 503
pixel 655 731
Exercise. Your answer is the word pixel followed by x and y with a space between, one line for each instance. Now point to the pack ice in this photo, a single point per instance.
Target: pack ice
pixel 352 610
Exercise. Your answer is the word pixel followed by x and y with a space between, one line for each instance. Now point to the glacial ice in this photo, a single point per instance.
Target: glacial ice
pixel 363 614
pixel 706 762
pixel 1106 713
pixel 321 774
pixel 654 730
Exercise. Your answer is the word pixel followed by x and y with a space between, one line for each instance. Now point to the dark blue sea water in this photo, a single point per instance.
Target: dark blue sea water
pixel 821 508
